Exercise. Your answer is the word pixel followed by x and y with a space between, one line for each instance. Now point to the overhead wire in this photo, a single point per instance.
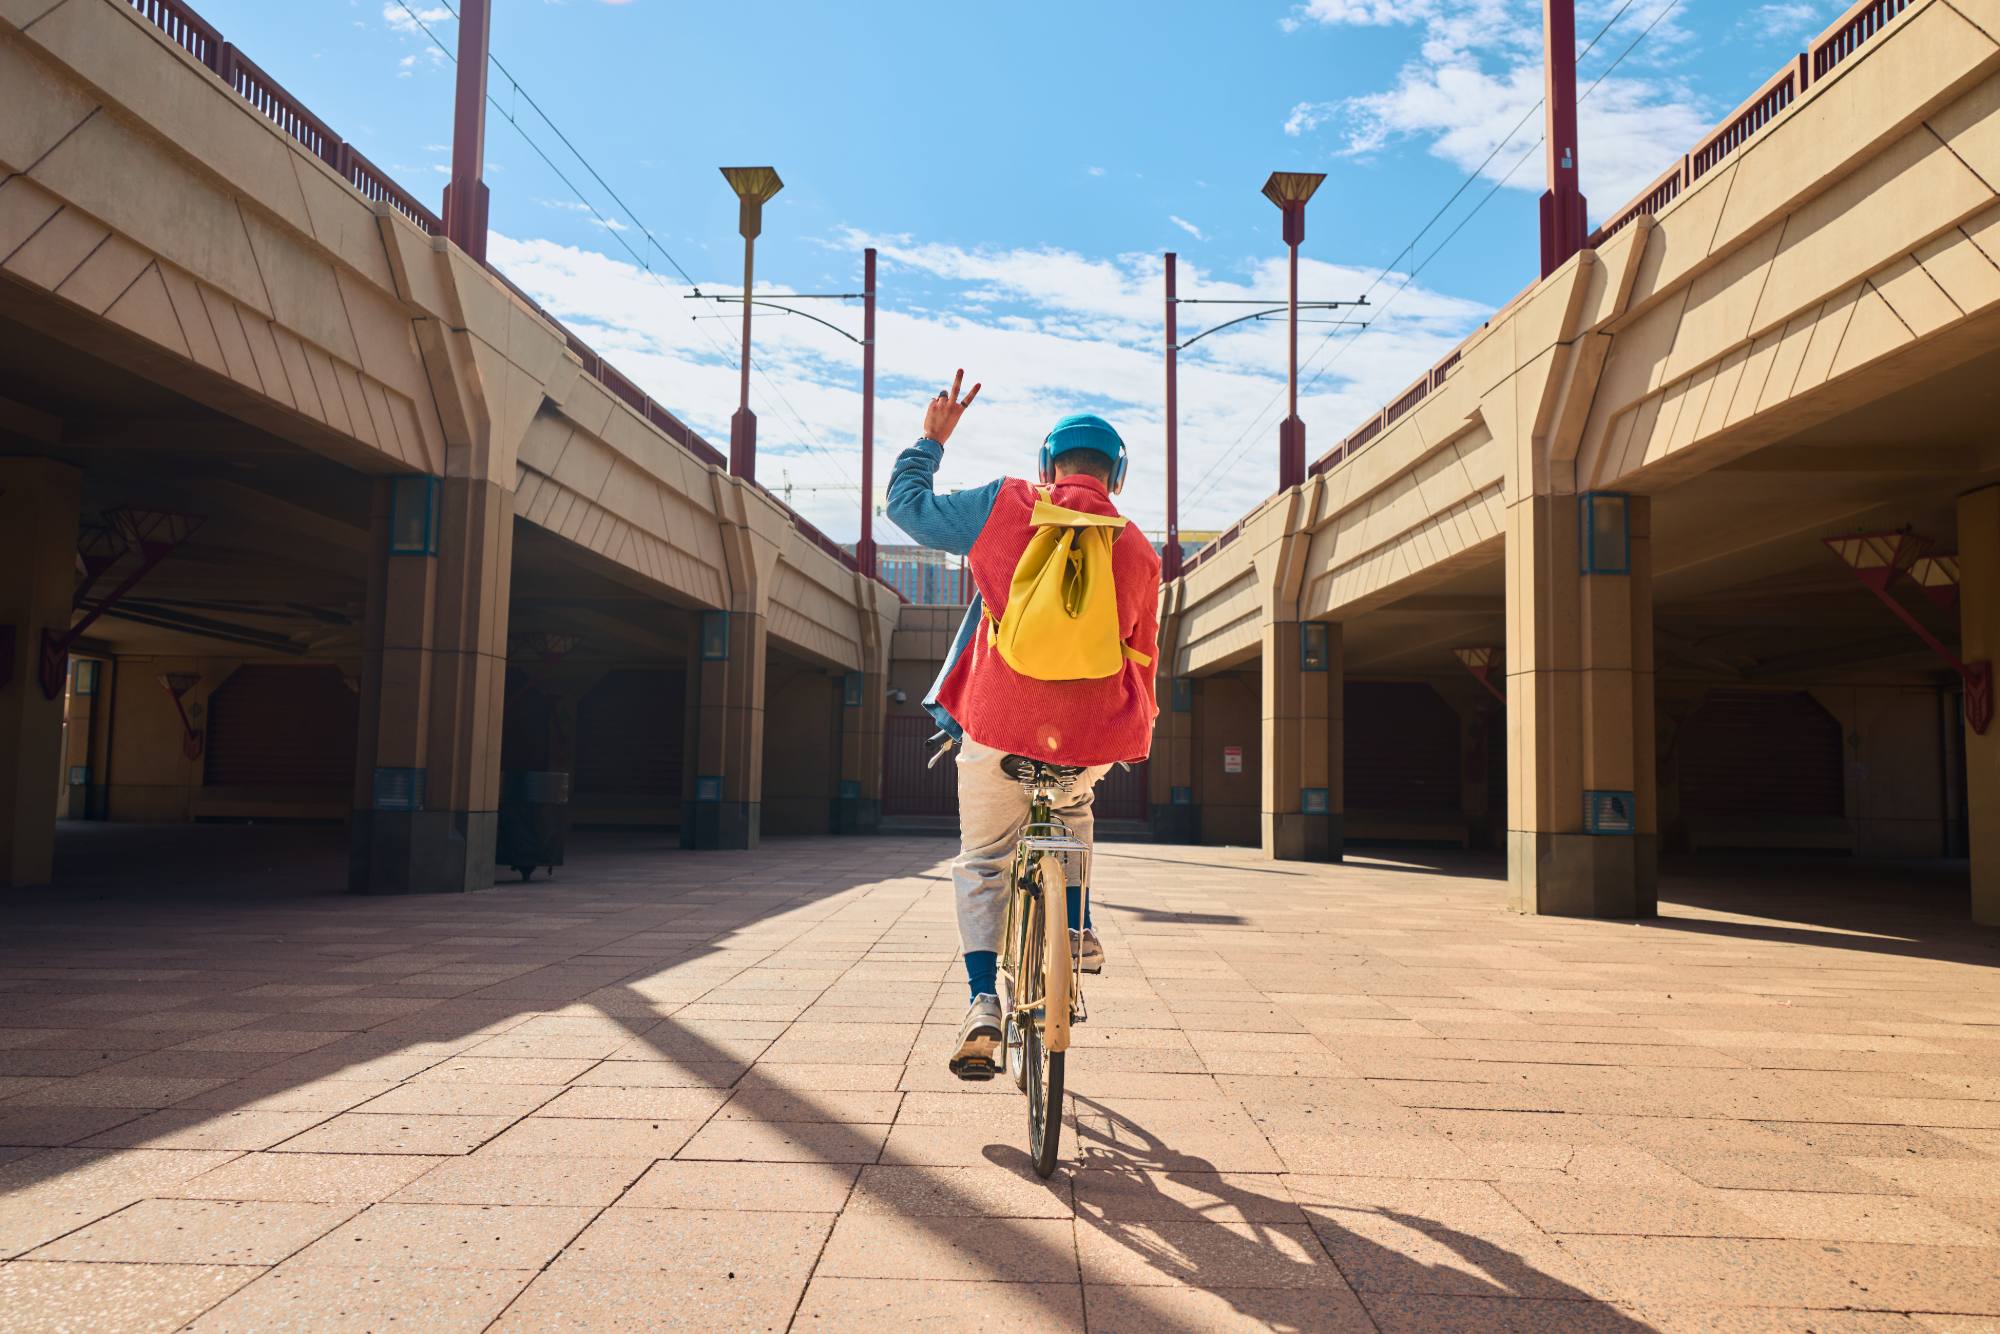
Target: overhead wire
pixel 810 441
pixel 1213 475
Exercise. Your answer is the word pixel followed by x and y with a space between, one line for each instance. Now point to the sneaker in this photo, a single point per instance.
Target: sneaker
pixel 979 1041
pixel 1089 950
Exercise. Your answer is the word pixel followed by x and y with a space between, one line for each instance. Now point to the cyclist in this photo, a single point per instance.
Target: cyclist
pixel 990 710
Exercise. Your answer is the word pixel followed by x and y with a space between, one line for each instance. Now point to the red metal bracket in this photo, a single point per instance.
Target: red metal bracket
pixel 155 534
pixel 177 684
pixel 1480 662
pixel 1876 559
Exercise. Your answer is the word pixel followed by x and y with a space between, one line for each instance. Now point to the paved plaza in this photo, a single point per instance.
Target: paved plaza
pixel 707 1091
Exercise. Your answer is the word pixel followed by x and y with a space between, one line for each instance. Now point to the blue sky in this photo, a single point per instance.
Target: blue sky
pixel 1021 169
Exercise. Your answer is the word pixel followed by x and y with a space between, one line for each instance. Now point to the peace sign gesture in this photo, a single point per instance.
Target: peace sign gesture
pixel 941 417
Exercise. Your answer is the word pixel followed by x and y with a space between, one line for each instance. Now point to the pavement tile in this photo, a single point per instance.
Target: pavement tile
pixel 453 1098
pixel 487 1177
pixel 778 1187
pixel 41 1296
pixel 960 1192
pixel 893 1246
pixel 361 1300
pixel 786 1142
pixel 173 1128
pixel 1433 1313
pixel 366 1132
pixel 1140 1310
pixel 707 1245
pixel 1176 1196
pixel 868 1306
pixel 577 1297
pixel 211 1232
pixel 1662 1271
pixel 851 1106
pixel 1204 1254
pixel 310 1178
pixel 439 1236
pixel 484 1070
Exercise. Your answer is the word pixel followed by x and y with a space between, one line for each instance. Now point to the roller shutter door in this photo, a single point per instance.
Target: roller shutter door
pixel 276 726
pixel 1761 752
pixel 909 785
pixel 1401 748
pixel 1121 794
pixel 629 735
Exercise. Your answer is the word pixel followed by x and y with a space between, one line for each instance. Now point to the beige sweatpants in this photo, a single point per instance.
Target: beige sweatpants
pixel 991 810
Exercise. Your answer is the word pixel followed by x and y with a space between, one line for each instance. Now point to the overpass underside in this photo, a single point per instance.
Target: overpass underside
pixel 307 515
pixel 1582 594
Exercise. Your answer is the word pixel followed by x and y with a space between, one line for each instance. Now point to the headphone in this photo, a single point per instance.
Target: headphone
pixel 1046 460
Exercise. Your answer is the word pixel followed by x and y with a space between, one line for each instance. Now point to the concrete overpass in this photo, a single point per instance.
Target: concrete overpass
pixel 401 481
pixel 1793 336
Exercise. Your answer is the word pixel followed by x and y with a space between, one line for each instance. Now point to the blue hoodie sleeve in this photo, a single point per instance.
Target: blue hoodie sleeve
pixel 949 522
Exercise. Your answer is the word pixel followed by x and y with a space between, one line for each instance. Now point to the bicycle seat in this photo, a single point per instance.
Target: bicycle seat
pixel 1024 770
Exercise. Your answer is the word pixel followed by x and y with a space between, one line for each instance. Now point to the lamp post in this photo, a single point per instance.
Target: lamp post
pixel 1170 554
pixel 465 197
pixel 754 187
pixel 1565 221
pixel 864 550
pixel 1290 190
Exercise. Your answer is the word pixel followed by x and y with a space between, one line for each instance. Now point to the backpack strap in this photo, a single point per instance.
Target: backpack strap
pixel 1134 655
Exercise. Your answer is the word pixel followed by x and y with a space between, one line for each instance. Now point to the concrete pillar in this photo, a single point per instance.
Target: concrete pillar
pixel 1304 682
pixel 1979 641
pixel 1170 775
pixel 39 500
pixel 726 682
pixel 433 688
pixel 1581 805
pixel 864 703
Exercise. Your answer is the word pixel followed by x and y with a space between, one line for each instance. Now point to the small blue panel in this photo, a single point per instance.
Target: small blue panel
pixel 1613 813
pixel 1313 800
pixel 1183 796
pixel 398 790
pixel 708 787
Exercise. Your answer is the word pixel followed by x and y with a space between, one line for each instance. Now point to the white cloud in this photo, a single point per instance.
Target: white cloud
pixel 584 210
pixel 1480 72
pixel 1045 331
pixel 407 20
pixel 1799 19
pixel 1186 226
pixel 1095 171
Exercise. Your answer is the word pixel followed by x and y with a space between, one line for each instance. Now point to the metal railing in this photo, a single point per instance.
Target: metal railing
pixel 1847 34
pixel 1836 43
pixel 200 39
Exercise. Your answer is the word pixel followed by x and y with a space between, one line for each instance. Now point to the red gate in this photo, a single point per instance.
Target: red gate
pixel 908 788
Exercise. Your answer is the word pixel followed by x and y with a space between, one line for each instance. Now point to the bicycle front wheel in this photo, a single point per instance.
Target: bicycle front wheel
pixel 1041 1067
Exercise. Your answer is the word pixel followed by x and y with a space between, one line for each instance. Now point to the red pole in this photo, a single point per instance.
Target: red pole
pixel 864 550
pixel 1170 554
pixel 1565 217
pixel 1292 431
pixel 466 196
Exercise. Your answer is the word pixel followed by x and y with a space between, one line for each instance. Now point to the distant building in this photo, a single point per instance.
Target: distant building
pixel 1191 541
pixel 922 575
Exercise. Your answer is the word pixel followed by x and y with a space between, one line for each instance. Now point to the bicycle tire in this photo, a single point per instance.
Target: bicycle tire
pixel 1041 1068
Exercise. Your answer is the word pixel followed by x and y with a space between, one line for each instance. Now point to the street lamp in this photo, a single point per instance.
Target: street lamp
pixel 1290 190
pixel 754 187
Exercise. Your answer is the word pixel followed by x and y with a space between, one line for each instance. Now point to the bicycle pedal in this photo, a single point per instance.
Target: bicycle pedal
pixel 974 1069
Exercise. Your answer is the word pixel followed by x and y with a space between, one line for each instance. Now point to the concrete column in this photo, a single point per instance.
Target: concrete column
pixel 864 703
pixel 1170 775
pixel 433 695
pixel 39 500
pixel 1979 641
pixel 1303 737
pixel 726 786
pixel 1579 716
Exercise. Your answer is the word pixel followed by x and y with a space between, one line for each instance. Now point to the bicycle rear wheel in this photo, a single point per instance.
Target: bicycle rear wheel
pixel 1041 1069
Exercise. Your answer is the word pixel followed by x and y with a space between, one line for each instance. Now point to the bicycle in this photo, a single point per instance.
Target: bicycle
pixel 1041 980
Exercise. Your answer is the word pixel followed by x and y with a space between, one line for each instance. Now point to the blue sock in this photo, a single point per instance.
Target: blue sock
pixel 1076 906
pixel 982 970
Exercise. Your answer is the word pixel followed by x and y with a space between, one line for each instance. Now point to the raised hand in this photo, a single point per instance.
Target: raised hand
pixel 941 417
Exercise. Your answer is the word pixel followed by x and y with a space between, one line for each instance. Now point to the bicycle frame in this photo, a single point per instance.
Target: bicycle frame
pixel 1044 835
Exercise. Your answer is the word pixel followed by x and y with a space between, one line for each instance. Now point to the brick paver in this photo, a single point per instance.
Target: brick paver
pixel 676 1090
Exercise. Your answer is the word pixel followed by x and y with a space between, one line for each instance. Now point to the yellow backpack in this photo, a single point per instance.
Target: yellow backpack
pixel 1061 622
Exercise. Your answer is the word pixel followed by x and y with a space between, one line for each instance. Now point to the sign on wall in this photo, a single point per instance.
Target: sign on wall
pixel 1232 759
